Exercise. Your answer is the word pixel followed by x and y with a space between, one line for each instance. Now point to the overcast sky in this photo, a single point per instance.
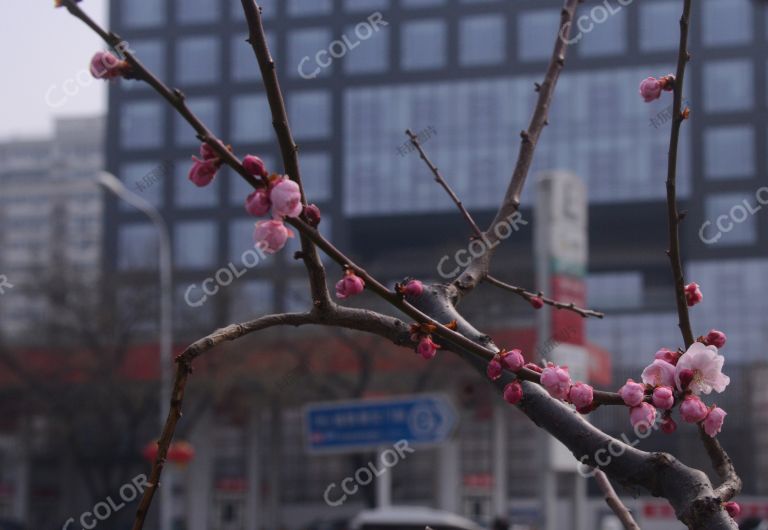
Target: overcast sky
pixel 40 49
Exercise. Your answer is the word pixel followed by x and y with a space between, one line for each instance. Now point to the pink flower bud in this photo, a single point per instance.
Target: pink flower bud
pixel 534 367
pixel 413 289
pixel 693 410
pixel 254 166
pixel 632 393
pixel 257 203
pixel 713 423
pixel 581 395
pixel 426 348
pixel 536 302
pixel 693 294
pixel 667 355
pixel 642 416
pixel 286 198
pixel 686 377
pixel 513 393
pixel 650 89
pixel 512 360
pixel 663 397
pixel 556 380
pixel 494 369
pixel 207 152
pixel 716 338
pixel 312 213
pixel 271 235
pixel 349 285
pixel 202 172
pixel 733 509
pixel 104 65
pixel 668 426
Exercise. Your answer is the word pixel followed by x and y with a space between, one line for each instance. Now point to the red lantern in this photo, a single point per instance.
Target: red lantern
pixel 178 453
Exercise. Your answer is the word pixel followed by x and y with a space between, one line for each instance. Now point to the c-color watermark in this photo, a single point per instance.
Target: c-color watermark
pixel 736 215
pixel 4 283
pixel 597 15
pixel 105 509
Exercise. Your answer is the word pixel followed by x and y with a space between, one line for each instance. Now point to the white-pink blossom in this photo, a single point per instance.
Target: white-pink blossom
pixel 659 373
pixel 707 368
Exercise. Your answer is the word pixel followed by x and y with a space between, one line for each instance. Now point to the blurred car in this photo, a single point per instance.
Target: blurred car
pixel 410 518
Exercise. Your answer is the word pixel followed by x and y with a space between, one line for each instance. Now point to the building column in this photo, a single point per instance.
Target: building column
pixel 199 472
pixel 449 476
pixel 499 498
pixel 253 510
pixel 21 493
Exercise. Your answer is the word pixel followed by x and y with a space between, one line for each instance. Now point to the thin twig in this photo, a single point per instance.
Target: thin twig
pixel 613 501
pixel 528 295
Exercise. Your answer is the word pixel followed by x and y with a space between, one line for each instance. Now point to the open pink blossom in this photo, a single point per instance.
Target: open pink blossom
pixel 581 395
pixel 426 348
pixel 632 393
pixel 693 294
pixel 659 373
pixel 512 360
pixel 257 203
pixel 716 338
pixel 350 285
pixel 286 198
pixel 650 89
pixel 707 368
pixel 693 409
pixel 254 166
pixel 202 171
pixel 713 423
pixel 513 393
pixel 271 235
pixel 663 397
pixel 494 370
pixel 556 380
pixel 642 416
pixel 667 355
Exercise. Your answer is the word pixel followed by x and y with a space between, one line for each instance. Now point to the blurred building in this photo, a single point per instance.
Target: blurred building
pixel 461 73
pixel 50 221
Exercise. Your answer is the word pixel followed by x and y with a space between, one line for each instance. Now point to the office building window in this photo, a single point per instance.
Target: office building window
pixel 659 26
pixel 198 60
pixel 142 124
pixel 483 40
pixel 728 85
pixel 244 65
pixel 147 179
pixel 194 245
pixel 729 152
pixel 188 195
pixel 137 247
pixel 371 49
pixel 727 22
pixel 420 3
pixel 305 8
pixel 197 11
pixel 310 113
pixel 606 38
pixel 316 175
pixel 193 310
pixel 151 52
pixel 251 298
pixel 251 119
pixel 268 9
pixel 730 222
pixel 365 5
pixel 535 31
pixel 207 109
pixel 423 45
pixel 615 290
pixel 308 54
pixel 142 13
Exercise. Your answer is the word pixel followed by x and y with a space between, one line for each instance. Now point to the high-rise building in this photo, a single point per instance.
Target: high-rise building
pixel 461 74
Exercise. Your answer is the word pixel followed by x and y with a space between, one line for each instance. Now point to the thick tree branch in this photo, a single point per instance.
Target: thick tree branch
pixel 479 267
pixel 613 501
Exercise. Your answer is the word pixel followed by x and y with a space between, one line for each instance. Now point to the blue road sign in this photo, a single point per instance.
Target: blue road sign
pixel 348 426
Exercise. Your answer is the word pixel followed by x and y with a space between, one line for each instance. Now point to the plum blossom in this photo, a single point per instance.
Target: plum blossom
pixel 286 198
pixel 733 508
pixel 668 425
pixel 642 416
pixel 663 397
pixel 257 203
pixel 581 395
pixel 271 235
pixel 254 166
pixel 650 89
pixel 350 285
pixel 493 371
pixel 667 355
pixel 537 302
pixel 659 373
pixel 707 368
pixel 693 294
pixel 512 360
pixel 312 213
pixel 713 423
pixel 556 380
pixel 104 65
pixel 632 393
pixel 202 172
pixel 413 289
pixel 693 409
pixel 715 338
pixel 513 393
pixel 426 348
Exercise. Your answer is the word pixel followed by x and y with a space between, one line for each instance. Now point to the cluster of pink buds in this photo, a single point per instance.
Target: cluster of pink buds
pixel 350 285
pixel 104 65
pixel 513 361
pixel 680 377
pixel 421 334
pixel 651 88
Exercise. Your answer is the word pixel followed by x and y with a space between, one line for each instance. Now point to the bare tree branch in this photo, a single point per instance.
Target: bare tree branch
pixel 613 501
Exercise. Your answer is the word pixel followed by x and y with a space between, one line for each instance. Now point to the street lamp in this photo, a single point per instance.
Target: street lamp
pixel 113 184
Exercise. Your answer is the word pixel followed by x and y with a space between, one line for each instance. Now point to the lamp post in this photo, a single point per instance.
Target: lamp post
pixel 113 184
